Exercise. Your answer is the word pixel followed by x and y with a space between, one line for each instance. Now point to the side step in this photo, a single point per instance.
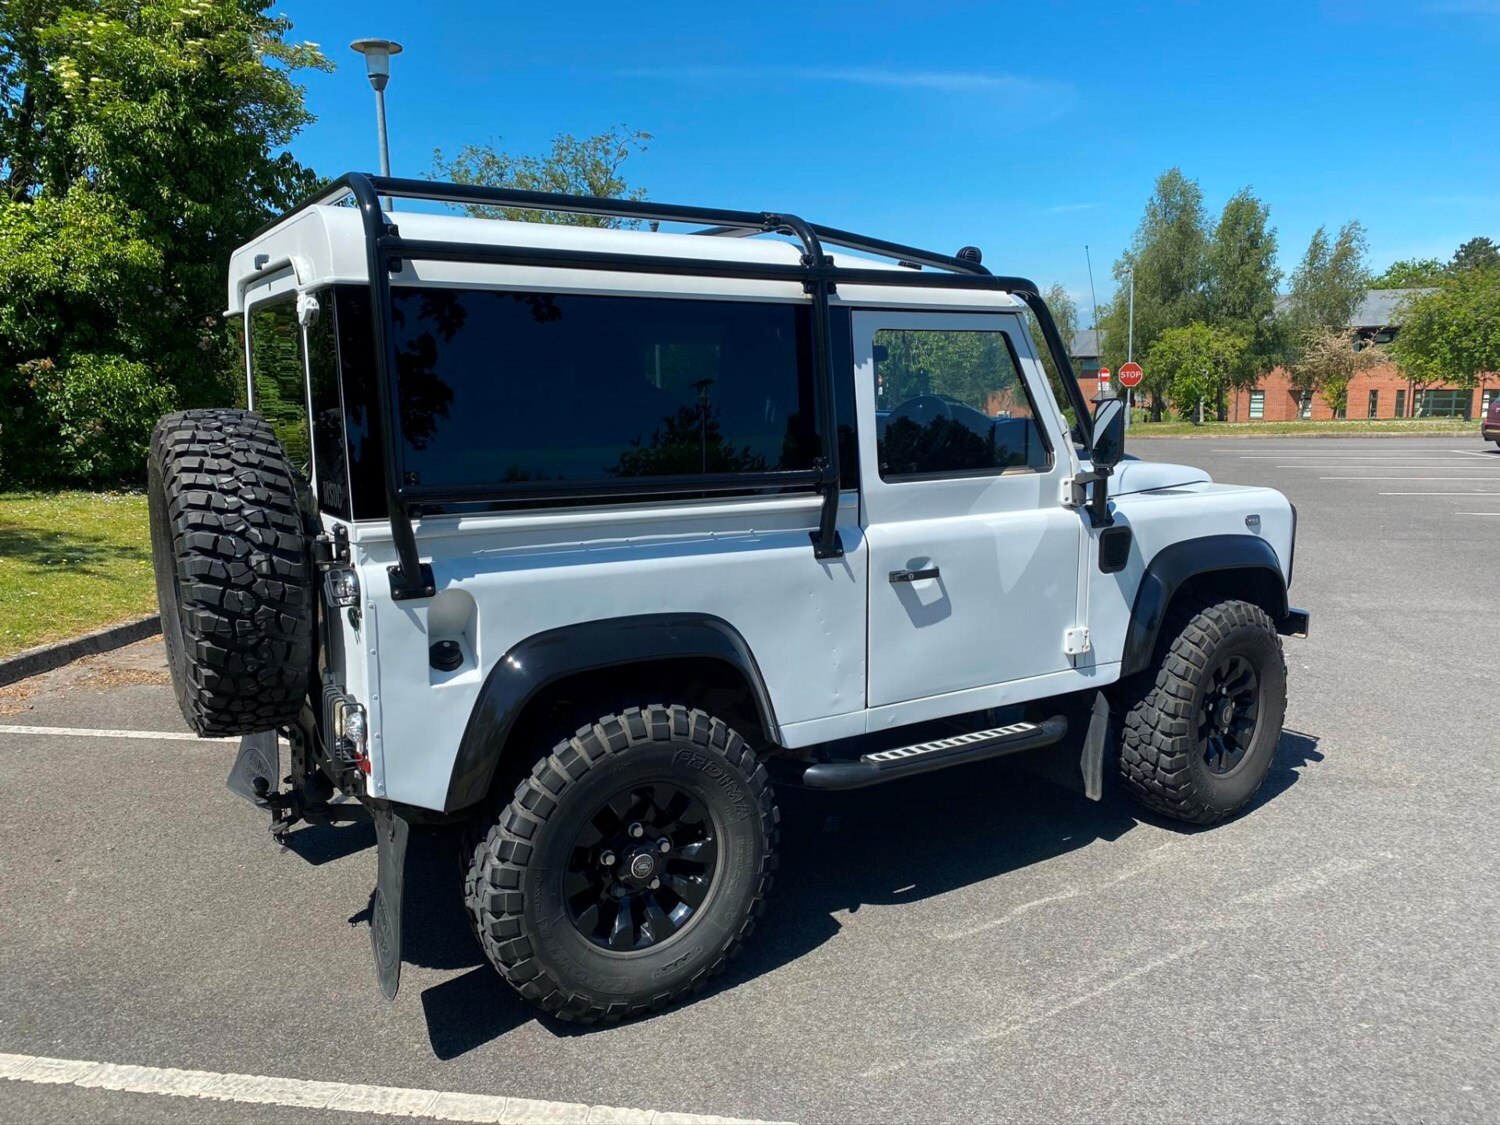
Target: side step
pixel 923 757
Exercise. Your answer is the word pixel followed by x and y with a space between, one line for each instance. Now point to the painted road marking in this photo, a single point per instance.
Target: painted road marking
pixel 1440 494
pixel 88 732
pixel 379 1101
pixel 1408 478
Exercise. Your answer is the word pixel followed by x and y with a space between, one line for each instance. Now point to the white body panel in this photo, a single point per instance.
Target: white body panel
pixel 502 579
pixel 1006 549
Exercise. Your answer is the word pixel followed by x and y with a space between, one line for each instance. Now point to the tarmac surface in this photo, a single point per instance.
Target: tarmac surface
pixel 972 944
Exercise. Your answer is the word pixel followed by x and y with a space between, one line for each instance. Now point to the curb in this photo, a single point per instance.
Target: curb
pixel 44 658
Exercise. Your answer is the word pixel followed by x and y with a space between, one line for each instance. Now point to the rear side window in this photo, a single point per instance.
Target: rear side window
pixel 952 403
pixel 534 387
pixel 277 374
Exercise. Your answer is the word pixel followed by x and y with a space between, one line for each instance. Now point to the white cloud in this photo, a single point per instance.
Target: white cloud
pixel 1485 202
pixel 1463 7
pixel 942 81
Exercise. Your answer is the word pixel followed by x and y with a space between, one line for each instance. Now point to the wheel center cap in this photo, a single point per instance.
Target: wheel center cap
pixel 1226 712
pixel 642 866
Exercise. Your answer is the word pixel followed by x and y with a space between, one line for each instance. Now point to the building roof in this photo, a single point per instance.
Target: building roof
pixel 1381 307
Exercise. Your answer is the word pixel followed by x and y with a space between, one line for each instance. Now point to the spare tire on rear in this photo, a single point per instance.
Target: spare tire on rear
pixel 234 575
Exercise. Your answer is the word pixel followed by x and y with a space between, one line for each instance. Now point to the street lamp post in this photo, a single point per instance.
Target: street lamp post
pixel 377 53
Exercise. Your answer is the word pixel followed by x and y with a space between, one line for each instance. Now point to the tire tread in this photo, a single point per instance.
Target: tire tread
pixel 496 873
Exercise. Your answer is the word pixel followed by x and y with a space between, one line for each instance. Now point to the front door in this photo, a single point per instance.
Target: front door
pixel 974 560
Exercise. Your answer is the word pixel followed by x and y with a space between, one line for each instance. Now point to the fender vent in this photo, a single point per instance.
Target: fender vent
pixel 1114 548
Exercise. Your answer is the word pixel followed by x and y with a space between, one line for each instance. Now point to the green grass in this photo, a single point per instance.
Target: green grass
pixel 1354 427
pixel 71 562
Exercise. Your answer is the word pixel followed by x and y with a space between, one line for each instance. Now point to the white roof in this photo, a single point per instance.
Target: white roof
pixel 325 244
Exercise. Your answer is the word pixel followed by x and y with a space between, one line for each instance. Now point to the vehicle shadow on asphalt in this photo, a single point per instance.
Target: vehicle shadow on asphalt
pixel 887 845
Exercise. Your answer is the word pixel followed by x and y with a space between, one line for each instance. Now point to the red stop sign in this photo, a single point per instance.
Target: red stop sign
pixel 1130 374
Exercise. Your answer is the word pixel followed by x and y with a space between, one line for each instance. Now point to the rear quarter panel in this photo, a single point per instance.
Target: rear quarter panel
pixel 501 579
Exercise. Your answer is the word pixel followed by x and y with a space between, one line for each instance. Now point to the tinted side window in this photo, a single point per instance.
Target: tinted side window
pixel 950 403
pixel 277 372
pixel 841 330
pixel 328 410
pixel 499 386
pixel 363 446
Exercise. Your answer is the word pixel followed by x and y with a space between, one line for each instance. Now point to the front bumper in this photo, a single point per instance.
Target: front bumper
pixel 1295 624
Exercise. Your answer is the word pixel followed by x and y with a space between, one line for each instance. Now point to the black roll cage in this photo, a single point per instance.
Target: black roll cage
pixel 385 250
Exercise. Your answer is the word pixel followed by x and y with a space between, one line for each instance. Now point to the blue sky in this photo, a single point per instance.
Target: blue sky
pixel 1028 129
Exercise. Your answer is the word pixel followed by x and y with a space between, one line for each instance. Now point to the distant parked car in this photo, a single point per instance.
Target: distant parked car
pixel 1489 425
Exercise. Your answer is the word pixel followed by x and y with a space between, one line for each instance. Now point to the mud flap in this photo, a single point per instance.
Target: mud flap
pixel 256 773
pixel 391 832
pixel 1091 760
pixel 1076 764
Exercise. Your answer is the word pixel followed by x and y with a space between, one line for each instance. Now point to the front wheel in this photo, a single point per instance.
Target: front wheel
pixel 1199 737
pixel 629 866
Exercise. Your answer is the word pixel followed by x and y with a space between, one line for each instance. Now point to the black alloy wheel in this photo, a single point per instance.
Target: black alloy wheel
pixel 1228 713
pixel 629 865
pixel 641 867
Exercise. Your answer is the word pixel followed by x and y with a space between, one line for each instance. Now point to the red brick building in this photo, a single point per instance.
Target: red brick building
pixel 1382 392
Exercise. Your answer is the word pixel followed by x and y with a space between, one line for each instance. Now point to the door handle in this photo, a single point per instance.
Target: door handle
pixel 914 575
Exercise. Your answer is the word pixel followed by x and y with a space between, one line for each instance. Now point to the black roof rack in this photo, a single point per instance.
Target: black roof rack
pixel 385 249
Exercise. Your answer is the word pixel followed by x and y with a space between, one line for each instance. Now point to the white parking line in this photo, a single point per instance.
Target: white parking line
pixel 89 732
pixel 1476 513
pixel 1476 493
pixel 1407 477
pixel 378 1101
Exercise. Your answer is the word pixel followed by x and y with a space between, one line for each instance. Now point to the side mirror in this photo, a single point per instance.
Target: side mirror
pixel 1109 434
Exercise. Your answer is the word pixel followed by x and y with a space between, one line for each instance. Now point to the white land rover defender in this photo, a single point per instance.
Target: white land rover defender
pixel 579 537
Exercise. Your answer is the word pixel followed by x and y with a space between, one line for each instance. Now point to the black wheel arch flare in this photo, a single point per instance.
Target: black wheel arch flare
pixel 529 666
pixel 1180 563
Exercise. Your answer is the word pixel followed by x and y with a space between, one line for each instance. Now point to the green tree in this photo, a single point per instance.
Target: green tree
pixel 1327 359
pixel 1195 364
pixel 1330 282
pixel 591 166
pixel 1168 256
pixel 1240 287
pixel 140 142
pixel 1452 335
pixel 1476 254
pixel 1065 314
pixel 1411 273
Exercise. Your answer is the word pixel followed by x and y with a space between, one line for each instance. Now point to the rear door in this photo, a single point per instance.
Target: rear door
pixel 974 561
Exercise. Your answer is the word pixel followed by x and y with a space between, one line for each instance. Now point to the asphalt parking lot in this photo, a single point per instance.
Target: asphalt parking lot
pixel 969 945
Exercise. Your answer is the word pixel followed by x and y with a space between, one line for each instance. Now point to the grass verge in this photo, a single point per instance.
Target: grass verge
pixel 1354 427
pixel 71 562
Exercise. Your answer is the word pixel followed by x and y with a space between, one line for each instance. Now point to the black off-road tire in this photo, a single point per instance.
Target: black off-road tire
pixel 1162 757
pixel 234 575
pixel 514 885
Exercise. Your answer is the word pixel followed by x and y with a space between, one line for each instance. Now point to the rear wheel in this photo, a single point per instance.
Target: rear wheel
pixel 1200 735
pixel 629 866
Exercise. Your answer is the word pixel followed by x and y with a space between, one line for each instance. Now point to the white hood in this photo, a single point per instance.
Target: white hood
pixel 1132 475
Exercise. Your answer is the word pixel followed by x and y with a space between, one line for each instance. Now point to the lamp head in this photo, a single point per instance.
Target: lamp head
pixel 377 53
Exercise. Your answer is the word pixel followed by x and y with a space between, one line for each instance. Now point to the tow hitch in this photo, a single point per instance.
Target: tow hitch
pixel 256 776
